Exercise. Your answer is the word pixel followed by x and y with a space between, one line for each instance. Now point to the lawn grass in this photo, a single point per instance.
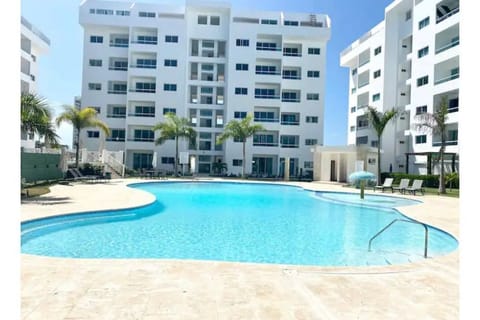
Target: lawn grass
pixel 450 193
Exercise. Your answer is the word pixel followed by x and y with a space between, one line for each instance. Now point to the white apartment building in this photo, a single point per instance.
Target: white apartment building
pixel 33 43
pixel 209 63
pixel 408 61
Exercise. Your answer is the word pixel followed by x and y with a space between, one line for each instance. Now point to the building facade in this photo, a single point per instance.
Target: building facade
pixel 210 63
pixel 409 61
pixel 33 43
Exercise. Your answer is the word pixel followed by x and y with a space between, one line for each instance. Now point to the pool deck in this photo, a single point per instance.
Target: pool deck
pixel 61 288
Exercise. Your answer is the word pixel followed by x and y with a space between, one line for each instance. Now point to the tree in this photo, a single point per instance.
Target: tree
pixel 80 119
pixel 175 128
pixel 379 121
pixel 36 117
pixel 219 167
pixel 240 131
pixel 436 123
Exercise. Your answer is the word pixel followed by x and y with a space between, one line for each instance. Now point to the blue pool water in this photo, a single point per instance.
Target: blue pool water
pixel 244 222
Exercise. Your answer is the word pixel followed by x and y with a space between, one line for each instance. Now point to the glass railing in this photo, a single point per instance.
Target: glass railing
pixel 115 139
pixel 290 99
pixel 291 77
pixel 265 144
pixel 121 68
pixel 116 115
pixel 141 139
pixel 445 79
pixel 448 46
pixel 266 119
pixel 447 143
pixel 290 122
pixel 119 44
pixel 143 90
pixel 142 114
pixel 289 145
pixel 267 72
pixel 266 96
pixel 144 66
pixel 291 54
pixel 113 91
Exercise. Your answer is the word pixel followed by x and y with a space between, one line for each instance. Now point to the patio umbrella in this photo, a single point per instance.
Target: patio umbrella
pixel 361 176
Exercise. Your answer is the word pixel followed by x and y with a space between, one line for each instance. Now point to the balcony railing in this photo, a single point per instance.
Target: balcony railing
pixel 445 79
pixel 116 115
pixel 447 46
pixel 142 114
pixel 118 44
pixel 447 143
pixel 266 48
pixel 451 13
pixel 292 54
pixel 363 63
pixel 267 96
pixel 143 90
pixel 268 72
pixel 144 41
pixel 265 144
pixel 141 139
pixel 290 99
pixel 113 91
pixel 289 145
pixel 266 119
pixel 115 139
pixel 290 123
pixel 144 66
pixel 291 77
pixel 117 68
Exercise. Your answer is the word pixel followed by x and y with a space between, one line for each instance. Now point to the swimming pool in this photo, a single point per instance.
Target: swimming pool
pixel 242 222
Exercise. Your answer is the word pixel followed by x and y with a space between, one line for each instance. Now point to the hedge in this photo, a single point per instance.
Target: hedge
pixel 429 180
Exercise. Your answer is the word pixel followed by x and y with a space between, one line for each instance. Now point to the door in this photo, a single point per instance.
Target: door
pixel 333 170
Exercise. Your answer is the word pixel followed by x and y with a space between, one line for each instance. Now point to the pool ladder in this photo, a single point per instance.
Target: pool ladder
pixel 402 220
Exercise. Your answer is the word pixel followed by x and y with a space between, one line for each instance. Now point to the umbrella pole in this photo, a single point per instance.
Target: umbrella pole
pixel 362 189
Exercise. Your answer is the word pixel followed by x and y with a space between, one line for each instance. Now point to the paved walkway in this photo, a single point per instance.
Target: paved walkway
pixel 59 288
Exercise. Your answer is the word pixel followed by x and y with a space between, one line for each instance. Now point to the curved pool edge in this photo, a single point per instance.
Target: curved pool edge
pixel 127 183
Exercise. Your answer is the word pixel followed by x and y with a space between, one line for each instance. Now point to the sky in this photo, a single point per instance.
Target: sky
pixel 60 70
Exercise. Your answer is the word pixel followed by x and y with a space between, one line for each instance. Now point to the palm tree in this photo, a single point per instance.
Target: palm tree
pixel 379 121
pixel 35 117
pixel 240 130
pixel 80 119
pixel 435 123
pixel 175 128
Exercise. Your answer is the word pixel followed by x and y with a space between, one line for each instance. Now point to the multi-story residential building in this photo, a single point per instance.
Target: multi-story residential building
pixel 408 61
pixel 209 63
pixel 33 43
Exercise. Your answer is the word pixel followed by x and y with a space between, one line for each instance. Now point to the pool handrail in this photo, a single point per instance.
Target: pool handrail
pixel 402 220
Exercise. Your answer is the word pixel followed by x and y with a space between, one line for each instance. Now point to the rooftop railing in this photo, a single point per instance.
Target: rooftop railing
pixel 32 28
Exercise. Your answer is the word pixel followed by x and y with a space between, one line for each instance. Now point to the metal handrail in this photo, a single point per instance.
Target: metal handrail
pixel 402 220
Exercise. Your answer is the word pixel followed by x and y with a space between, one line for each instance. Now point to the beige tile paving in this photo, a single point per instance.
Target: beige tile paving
pixel 57 288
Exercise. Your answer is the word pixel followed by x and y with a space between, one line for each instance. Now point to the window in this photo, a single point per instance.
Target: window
pixel 408 15
pixel 169 87
pixel 313 74
pixel 308 164
pixel 372 160
pixel 241 67
pixel 93 134
pixel 96 39
pixel 95 86
pixel 352 128
pixel 423 52
pixel 376 97
pixel 310 142
pixel 92 11
pixel 104 11
pixel 215 20
pixel 95 63
pixel 315 51
pixel 268 21
pixel 377 74
pixel 311 119
pixel 312 96
pixel 423 23
pixel 144 111
pixel 377 50
pixel 145 14
pixel 422 81
pixel 237 162
pixel 362 140
pixel 170 63
pixel 145 87
pixel 243 42
pixel 421 139
pixel 421 110
pixel 168 160
pixel 169 110
pixel 354 71
pixel 290 23
pixel 146 63
pixel 235 139
pixel 202 19
pixel 96 109
pixel 122 13
pixel 353 109
pixel 117 135
pixel 171 39
pixel 241 91
pixel 240 114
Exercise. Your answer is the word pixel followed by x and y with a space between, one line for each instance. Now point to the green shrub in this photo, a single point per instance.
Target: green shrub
pixel 429 180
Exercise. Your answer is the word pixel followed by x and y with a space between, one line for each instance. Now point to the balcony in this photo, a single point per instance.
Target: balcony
pixel 148 90
pixel 142 114
pixel 447 143
pixel 117 91
pixel 268 46
pixel 448 14
pixel 453 76
pixel 140 139
pixel 265 144
pixel 453 43
pixel 116 115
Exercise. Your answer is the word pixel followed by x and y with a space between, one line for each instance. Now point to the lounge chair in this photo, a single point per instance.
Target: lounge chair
pixel 402 186
pixel 77 175
pixel 387 184
pixel 416 186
